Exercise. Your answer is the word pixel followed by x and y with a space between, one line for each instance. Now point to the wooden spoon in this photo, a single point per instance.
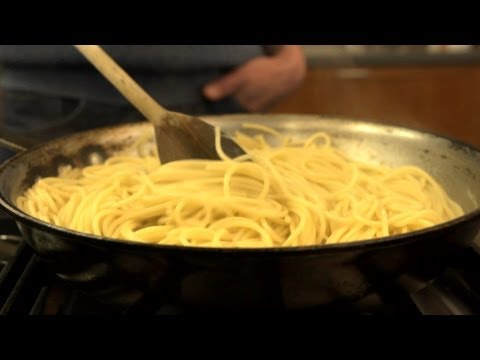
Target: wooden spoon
pixel 179 136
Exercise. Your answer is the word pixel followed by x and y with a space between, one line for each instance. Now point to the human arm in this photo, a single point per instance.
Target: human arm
pixel 263 81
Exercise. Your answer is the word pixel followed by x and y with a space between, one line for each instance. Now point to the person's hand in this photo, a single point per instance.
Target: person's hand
pixel 263 81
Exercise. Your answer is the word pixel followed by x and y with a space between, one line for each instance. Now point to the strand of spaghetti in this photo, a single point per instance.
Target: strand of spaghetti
pixel 218 145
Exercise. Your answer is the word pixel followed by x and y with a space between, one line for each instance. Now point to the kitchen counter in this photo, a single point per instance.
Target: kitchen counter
pixel 441 94
pixel 337 56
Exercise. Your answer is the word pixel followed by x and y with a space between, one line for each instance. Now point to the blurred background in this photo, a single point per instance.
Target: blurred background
pixel 429 87
pixel 432 87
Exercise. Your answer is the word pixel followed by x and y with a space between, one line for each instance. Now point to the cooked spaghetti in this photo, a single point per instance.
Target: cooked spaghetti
pixel 297 193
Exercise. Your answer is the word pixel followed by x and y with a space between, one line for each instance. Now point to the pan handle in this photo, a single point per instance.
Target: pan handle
pixel 11 146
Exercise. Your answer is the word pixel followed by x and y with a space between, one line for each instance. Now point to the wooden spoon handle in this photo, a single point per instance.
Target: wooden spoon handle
pixel 123 82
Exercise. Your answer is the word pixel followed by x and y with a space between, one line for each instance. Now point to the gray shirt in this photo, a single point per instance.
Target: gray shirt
pixel 173 74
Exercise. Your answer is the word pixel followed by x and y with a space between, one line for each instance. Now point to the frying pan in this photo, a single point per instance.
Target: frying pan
pixel 139 276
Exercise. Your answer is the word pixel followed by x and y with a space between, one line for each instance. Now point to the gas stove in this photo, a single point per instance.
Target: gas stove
pixel 29 287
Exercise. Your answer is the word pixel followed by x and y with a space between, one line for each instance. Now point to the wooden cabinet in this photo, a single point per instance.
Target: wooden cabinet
pixel 442 99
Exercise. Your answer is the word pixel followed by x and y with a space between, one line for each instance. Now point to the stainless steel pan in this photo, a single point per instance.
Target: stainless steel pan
pixel 128 274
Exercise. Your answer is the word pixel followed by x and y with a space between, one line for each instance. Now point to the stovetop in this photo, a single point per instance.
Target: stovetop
pixel 29 287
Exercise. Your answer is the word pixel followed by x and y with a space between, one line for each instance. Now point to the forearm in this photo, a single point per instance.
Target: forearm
pixel 290 57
